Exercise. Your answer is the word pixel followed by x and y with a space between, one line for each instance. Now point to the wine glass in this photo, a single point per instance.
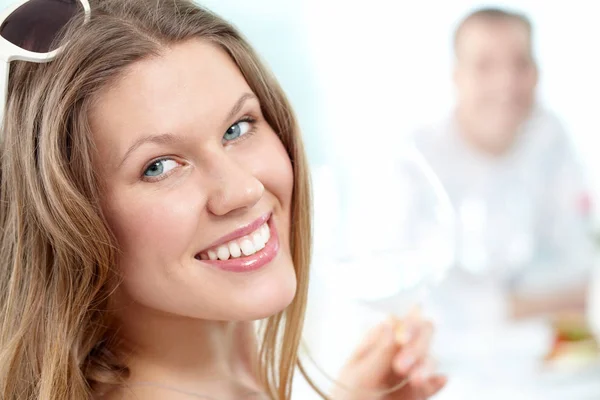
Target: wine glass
pixel 384 238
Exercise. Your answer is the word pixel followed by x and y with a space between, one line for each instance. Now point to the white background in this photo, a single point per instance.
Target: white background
pixel 363 74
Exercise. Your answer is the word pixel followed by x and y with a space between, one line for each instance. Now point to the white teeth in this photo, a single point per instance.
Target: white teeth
pixel 234 249
pixel 257 239
pixel 247 247
pixel 266 234
pixel 223 253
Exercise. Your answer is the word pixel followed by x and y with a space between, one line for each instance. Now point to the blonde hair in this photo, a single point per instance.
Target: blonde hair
pixel 58 255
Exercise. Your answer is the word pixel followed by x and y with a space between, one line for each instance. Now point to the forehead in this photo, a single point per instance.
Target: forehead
pixel 484 37
pixel 191 83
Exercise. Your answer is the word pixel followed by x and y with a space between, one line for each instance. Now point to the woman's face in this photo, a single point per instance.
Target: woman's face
pixel 197 188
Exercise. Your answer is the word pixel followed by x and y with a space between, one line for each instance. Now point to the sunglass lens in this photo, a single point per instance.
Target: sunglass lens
pixel 36 25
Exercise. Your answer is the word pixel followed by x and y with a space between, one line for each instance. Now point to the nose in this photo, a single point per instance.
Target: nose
pixel 234 188
pixel 508 79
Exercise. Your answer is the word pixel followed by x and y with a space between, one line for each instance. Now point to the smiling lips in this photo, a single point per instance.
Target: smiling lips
pixel 246 249
pixel 244 246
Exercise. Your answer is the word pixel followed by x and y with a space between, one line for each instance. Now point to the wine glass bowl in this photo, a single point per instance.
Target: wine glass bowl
pixel 384 238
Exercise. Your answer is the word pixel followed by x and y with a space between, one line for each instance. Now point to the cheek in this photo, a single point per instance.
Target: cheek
pixel 528 87
pixel 475 89
pixel 278 178
pixel 273 167
pixel 151 228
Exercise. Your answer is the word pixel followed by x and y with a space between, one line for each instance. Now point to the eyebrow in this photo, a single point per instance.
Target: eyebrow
pixel 165 138
pixel 169 138
pixel 239 104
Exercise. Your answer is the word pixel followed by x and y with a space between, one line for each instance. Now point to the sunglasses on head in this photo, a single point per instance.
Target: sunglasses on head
pixel 29 31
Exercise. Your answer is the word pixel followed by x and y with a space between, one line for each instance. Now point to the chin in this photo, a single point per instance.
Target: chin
pixel 269 298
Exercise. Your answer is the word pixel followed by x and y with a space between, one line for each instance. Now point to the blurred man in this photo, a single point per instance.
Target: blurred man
pixel 507 163
pixel 520 198
pixel 495 76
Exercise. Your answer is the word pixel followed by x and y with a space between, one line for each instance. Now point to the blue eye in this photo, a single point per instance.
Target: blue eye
pixel 160 167
pixel 236 130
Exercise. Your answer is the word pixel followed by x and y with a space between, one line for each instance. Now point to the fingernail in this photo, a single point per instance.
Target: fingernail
pixel 403 334
pixel 405 362
pixel 423 374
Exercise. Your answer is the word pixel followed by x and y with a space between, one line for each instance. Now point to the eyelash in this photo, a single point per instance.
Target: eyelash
pixel 247 135
pixel 251 132
pixel 163 176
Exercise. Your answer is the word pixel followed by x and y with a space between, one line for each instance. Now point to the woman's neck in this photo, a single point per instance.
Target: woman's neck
pixel 186 353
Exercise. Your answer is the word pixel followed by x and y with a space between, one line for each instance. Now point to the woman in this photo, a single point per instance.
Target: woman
pixel 155 201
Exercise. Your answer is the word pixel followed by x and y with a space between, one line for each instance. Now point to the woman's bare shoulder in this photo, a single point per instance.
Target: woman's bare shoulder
pixel 146 393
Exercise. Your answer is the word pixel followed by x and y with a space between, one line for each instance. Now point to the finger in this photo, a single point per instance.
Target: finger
pixel 415 351
pixel 404 362
pixel 421 341
pixel 422 372
pixel 377 360
pixel 370 340
pixel 406 327
pixel 433 385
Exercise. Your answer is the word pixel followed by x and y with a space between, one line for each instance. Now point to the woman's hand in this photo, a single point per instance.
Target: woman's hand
pixel 394 352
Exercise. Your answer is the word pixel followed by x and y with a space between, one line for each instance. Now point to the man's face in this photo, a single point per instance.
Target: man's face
pixel 495 77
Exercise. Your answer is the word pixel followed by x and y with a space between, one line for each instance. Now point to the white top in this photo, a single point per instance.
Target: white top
pixel 522 227
pixel 521 212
